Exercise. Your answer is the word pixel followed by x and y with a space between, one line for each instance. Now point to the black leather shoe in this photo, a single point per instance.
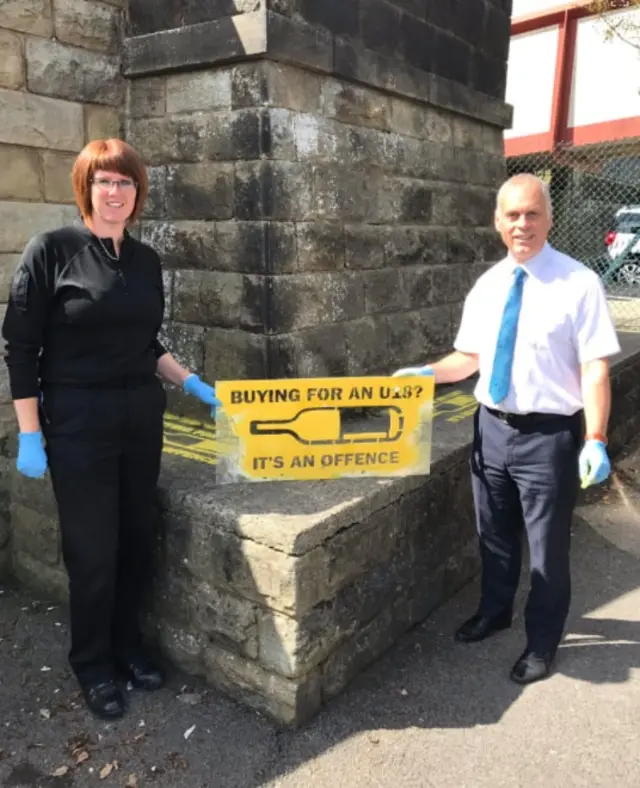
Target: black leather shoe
pixel 142 672
pixel 479 627
pixel 103 698
pixel 531 666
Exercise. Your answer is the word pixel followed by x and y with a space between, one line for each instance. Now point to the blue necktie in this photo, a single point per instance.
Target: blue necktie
pixel 503 360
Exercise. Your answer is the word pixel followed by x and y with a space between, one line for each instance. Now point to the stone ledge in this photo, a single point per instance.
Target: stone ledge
pixel 280 38
pixel 207 43
pixel 279 594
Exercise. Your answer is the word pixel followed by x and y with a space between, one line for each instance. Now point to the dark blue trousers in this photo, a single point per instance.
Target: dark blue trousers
pixel 525 476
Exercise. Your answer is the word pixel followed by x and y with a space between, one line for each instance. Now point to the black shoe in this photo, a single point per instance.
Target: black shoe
pixel 103 698
pixel 479 627
pixel 532 666
pixel 142 672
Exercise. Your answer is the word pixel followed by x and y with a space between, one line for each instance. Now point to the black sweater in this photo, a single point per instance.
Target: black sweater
pixel 77 317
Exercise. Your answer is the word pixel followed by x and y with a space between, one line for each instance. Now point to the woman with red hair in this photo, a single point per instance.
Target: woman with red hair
pixel 82 349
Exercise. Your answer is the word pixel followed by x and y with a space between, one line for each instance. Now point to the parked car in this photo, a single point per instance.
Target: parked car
pixel 623 245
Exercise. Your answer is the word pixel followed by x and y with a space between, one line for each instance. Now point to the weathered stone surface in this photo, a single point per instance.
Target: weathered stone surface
pixel 74 74
pixel 101 122
pixel 226 618
pixel 186 343
pixel 169 139
pixel 366 347
pixel 295 41
pixel 19 221
pixel 468 133
pixel 200 191
pixel 12 69
pixel 195 45
pixel 211 298
pixel 146 97
pixel 231 354
pixel 219 616
pixel 5 562
pixel 202 90
pixel 22 178
pixel 352 195
pixel 87 24
pixel 293 88
pixel 148 17
pixel 57 177
pixel 212 246
pixel 255 571
pixel 304 300
pixel 157 198
pixel 321 246
pixel 288 701
pixel 364 246
pixel 8 265
pixel 51 582
pixel 28 16
pixel 314 352
pixel 273 190
pixel 415 335
pixel 357 105
pixel 384 291
pixel 35 534
pixel 360 650
pixel 40 122
pixel 182 646
pixel 463 206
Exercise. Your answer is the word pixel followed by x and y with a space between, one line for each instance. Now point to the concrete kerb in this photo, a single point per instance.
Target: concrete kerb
pixel 279 594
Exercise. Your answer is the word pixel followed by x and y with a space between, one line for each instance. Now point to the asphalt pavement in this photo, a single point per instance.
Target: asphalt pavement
pixel 430 713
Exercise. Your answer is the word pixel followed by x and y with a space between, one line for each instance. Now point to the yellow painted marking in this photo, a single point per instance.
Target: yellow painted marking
pixel 191 439
pixel 455 406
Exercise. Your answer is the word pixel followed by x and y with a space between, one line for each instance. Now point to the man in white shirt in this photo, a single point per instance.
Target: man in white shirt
pixel 536 326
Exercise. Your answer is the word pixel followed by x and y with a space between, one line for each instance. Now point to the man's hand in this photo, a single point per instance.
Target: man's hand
pixel 593 463
pixel 414 372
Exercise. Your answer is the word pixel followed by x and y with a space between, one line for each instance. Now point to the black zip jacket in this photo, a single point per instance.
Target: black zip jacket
pixel 77 317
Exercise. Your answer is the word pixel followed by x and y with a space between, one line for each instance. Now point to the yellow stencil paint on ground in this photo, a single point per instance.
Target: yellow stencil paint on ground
pixel 454 406
pixel 324 428
pixel 191 439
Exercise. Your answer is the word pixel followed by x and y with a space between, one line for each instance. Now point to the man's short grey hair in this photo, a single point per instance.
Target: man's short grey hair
pixel 522 179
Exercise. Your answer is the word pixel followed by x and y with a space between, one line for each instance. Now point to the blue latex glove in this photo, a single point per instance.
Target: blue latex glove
pixel 593 463
pixel 203 391
pixel 414 372
pixel 32 459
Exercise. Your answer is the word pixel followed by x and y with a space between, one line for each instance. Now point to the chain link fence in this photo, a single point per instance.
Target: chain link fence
pixel 596 205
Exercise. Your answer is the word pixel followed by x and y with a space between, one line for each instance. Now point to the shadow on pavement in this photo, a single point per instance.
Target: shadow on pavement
pixel 425 681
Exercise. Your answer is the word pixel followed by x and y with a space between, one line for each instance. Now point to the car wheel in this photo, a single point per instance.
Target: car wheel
pixel 629 273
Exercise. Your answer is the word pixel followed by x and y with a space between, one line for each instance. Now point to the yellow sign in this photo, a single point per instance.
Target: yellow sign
pixel 320 428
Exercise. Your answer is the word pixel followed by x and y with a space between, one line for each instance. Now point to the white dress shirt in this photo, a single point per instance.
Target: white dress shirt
pixel 564 322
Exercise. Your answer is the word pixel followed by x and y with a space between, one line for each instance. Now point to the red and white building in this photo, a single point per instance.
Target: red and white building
pixel 566 82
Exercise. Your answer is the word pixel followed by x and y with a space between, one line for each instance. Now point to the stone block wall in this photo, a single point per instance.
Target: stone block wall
pixel 60 86
pixel 309 225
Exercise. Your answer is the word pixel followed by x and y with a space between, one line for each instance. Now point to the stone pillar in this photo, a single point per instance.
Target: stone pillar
pixel 323 174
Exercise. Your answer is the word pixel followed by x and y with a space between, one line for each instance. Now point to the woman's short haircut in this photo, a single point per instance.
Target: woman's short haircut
pixel 112 155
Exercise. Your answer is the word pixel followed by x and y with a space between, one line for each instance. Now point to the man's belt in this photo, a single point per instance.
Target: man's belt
pixel 528 419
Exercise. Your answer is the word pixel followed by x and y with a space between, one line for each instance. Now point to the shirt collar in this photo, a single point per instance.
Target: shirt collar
pixel 534 265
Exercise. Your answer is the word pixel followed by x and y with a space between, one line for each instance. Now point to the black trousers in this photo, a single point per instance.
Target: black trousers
pixel 525 473
pixel 104 447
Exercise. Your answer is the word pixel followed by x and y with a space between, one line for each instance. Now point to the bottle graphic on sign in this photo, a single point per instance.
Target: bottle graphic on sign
pixel 331 425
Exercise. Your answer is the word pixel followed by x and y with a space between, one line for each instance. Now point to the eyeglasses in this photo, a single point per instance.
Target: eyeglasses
pixel 106 184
